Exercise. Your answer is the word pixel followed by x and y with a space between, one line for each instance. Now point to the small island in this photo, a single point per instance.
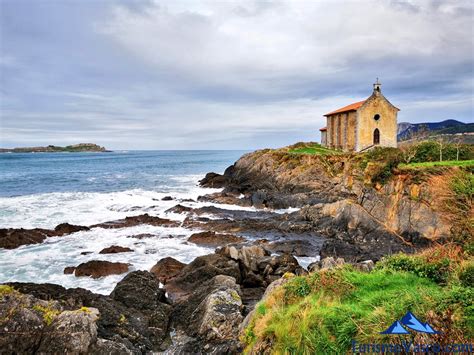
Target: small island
pixel 75 148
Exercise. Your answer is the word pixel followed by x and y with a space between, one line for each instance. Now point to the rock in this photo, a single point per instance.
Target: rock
pixel 31 325
pixel 68 270
pixel 73 332
pixel 219 315
pixel 246 255
pixel 104 346
pixel 167 198
pixel 211 315
pixel 270 288
pixel 200 270
pixel 167 268
pixel 99 268
pixel 293 247
pixel 178 209
pixel 140 331
pixel 139 290
pixel 326 264
pixel 214 239
pixel 137 220
pixel 115 249
pixel 365 266
pixel 142 236
pixel 86 252
pixel 66 228
pixel 213 180
pixel 11 238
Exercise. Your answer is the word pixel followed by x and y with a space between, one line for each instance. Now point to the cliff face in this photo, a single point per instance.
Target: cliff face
pixel 341 201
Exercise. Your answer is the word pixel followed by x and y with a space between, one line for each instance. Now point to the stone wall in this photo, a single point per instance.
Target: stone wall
pixel 377 104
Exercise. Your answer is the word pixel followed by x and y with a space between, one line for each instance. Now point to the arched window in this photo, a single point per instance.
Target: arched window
pixel 377 117
pixel 376 136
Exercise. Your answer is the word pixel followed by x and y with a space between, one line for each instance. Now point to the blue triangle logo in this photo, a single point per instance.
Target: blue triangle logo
pixel 411 322
pixel 395 328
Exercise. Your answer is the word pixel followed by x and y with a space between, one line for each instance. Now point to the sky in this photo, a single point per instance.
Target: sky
pixel 223 74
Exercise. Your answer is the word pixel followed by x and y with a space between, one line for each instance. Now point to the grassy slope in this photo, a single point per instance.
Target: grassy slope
pixel 323 312
pixel 438 163
pixel 311 148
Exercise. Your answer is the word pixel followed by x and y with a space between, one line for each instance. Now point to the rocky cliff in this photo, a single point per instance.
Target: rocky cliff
pixel 340 195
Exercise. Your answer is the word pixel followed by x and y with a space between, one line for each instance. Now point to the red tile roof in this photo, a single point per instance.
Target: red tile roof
pixel 351 107
pixel 323 129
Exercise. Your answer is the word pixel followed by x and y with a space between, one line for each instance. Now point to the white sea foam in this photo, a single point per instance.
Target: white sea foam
pixel 46 262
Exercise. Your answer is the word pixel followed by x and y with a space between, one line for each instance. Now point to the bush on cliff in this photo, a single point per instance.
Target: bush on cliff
pixel 324 311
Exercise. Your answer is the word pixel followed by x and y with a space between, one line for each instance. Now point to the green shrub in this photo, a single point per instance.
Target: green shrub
pixel 466 276
pixel 438 271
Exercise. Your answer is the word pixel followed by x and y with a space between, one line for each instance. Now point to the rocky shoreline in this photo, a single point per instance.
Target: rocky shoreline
pixel 305 207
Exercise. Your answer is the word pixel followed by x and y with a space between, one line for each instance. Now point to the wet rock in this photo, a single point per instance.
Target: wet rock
pixel 137 220
pixel 213 180
pixel 214 239
pixel 68 270
pixel 140 290
pixel 179 209
pixel 142 236
pixel 11 238
pixel 167 198
pixel 66 228
pixel 115 249
pixel 86 252
pixel 99 268
pixel 166 269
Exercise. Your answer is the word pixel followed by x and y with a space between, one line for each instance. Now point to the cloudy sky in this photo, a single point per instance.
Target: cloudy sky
pixel 221 74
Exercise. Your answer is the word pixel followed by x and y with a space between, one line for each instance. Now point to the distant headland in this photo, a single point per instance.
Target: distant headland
pixel 81 147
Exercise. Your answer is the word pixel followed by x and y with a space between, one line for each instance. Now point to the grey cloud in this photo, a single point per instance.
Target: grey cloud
pixel 163 74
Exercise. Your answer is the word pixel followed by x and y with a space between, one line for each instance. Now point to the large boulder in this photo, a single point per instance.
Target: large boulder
pixel 247 255
pixel 214 239
pixel 213 180
pixel 100 268
pixel 210 316
pixel 167 268
pixel 31 325
pixel 138 330
pixel 200 270
pixel 140 290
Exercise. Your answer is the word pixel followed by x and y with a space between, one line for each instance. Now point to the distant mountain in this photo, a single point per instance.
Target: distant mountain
pixel 81 147
pixel 408 130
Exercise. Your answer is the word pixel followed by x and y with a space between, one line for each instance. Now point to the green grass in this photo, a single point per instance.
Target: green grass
pixel 430 164
pixel 324 312
pixel 312 148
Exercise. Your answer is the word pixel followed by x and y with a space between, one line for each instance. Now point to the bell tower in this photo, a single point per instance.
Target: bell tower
pixel 377 87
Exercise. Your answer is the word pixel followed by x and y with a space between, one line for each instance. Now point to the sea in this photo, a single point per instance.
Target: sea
pixel 42 190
